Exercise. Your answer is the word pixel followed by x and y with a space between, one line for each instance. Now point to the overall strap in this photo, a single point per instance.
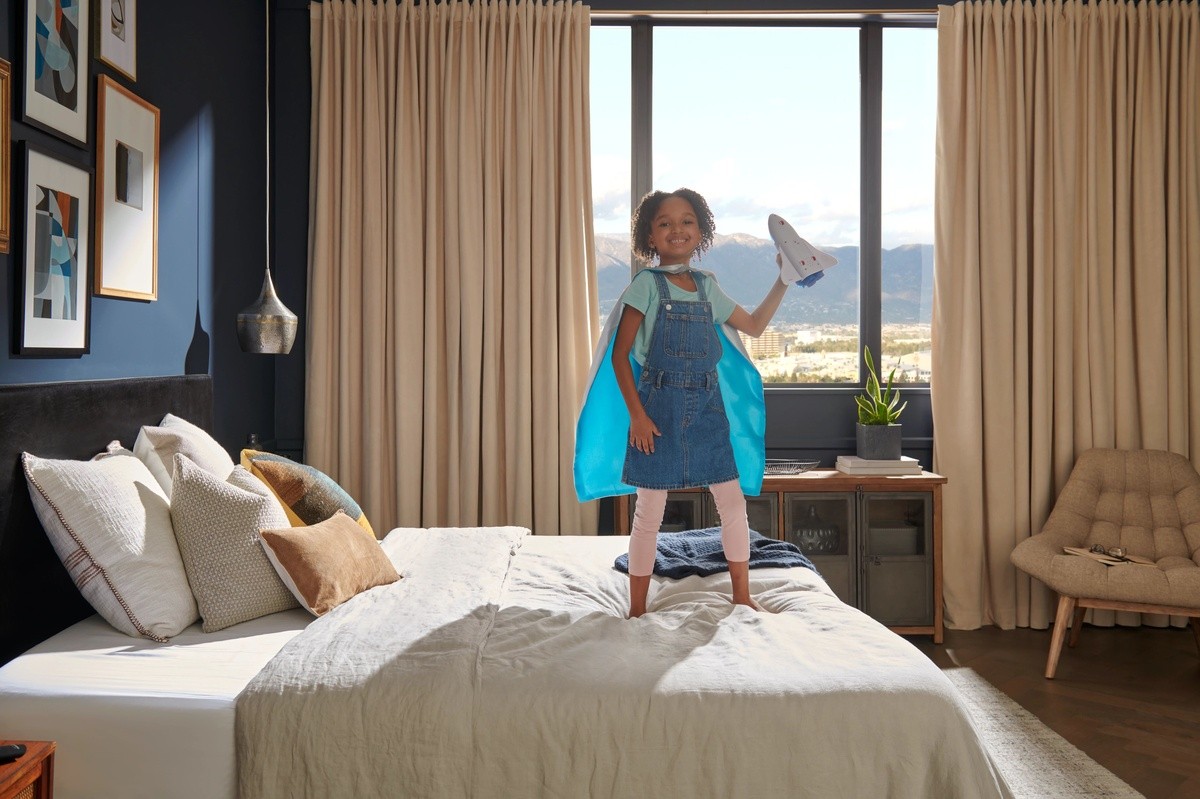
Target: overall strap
pixel 696 276
pixel 664 288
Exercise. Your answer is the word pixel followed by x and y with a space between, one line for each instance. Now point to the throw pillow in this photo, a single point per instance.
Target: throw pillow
pixel 308 495
pixel 327 563
pixel 110 524
pixel 217 524
pixel 157 447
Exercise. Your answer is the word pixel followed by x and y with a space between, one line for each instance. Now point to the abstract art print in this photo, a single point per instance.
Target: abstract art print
pixel 127 193
pixel 55 85
pixel 5 162
pixel 53 276
pixel 116 35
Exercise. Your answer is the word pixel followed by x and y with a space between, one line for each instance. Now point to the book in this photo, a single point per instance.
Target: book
pixel 854 460
pixel 1106 559
pixel 852 464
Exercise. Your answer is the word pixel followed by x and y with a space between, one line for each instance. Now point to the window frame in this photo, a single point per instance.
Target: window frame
pixel 870 308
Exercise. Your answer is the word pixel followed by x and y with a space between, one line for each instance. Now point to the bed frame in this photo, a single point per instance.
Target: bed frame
pixel 72 420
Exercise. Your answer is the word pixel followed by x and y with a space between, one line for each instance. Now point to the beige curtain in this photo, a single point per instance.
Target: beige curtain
pixel 1067 297
pixel 451 272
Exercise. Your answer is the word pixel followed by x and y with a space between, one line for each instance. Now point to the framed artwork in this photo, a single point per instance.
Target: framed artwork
pixel 5 153
pixel 53 291
pixel 127 193
pixel 56 78
pixel 116 35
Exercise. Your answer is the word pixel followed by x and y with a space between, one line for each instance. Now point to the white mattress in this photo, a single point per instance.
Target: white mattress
pixel 133 718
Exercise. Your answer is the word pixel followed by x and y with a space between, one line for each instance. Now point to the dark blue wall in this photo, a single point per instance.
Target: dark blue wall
pixel 203 65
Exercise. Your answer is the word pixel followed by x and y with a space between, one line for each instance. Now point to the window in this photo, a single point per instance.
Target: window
pixel 909 121
pixel 611 111
pixel 779 119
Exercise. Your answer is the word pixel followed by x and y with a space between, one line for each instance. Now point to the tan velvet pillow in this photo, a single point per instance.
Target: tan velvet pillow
pixel 327 563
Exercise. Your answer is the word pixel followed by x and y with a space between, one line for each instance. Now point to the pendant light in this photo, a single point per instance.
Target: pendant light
pixel 266 326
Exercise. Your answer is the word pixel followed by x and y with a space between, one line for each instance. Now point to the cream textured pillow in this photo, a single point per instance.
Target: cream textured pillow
pixel 327 563
pixel 111 526
pixel 157 447
pixel 217 524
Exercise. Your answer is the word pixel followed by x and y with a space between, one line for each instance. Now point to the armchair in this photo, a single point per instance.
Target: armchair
pixel 1147 501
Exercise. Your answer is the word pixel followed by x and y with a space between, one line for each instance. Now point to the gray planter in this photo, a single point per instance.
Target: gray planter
pixel 879 442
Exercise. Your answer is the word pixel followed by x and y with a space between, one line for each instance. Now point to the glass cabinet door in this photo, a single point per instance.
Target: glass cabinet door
pixel 822 525
pixel 684 511
pixel 897 565
pixel 762 512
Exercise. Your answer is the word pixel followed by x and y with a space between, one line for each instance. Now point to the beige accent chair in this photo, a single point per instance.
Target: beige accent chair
pixel 1147 501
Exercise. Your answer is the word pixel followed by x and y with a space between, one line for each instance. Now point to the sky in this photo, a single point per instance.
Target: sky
pixel 766 120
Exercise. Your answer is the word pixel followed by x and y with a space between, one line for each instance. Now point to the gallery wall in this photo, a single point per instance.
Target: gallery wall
pixel 203 65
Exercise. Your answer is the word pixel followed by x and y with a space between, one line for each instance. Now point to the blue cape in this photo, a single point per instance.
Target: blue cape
pixel 602 432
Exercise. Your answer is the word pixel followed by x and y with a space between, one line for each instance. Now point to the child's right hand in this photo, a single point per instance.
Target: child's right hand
pixel 642 431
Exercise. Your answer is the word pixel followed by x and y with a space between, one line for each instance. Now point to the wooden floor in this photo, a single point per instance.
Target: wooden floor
pixel 1128 697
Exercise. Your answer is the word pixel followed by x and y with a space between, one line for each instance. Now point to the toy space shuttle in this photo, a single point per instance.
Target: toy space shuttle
pixel 802 263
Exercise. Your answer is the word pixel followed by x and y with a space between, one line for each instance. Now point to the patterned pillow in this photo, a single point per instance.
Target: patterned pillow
pixel 111 526
pixel 157 447
pixel 217 524
pixel 327 563
pixel 308 495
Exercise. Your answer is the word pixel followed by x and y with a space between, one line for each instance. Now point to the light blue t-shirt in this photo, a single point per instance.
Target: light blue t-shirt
pixel 642 294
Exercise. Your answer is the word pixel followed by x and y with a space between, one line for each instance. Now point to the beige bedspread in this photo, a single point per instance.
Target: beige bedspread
pixel 502 666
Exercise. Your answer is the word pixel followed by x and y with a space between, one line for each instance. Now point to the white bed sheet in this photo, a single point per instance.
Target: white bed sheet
pixel 133 718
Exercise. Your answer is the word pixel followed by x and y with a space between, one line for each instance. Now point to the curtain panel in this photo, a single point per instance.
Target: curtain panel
pixel 451 265
pixel 1067 293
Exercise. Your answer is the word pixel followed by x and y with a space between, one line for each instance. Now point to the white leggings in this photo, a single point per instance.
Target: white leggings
pixel 648 515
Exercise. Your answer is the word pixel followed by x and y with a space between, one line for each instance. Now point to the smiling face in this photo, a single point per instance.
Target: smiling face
pixel 674 231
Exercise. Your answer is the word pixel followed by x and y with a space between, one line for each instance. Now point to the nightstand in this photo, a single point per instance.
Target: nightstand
pixel 30 776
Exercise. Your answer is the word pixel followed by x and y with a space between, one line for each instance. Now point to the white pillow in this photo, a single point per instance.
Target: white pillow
pixel 110 524
pixel 157 447
pixel 217 524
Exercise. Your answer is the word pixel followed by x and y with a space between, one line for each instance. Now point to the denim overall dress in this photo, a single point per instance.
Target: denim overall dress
pixel 679 390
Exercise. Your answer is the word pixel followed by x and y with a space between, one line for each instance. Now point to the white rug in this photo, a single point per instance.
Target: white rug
pixel 1036 761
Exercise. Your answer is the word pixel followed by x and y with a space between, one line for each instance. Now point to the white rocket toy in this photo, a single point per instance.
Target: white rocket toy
pixel 802 262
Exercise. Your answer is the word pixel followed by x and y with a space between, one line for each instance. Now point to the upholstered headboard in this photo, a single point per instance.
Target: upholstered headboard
pixel 67 420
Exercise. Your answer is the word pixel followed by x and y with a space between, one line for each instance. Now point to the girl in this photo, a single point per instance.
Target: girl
pixel 679 433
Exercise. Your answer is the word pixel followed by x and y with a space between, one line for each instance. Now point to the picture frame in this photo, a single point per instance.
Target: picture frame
pixel 53 299
pixel 5 154
pixel 116 35
pixel 55 99
pixel 127 129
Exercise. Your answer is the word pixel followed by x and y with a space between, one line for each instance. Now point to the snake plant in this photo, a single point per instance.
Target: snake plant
pixel 878 405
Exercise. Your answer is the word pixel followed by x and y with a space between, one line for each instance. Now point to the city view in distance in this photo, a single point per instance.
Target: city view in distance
pixel 814 335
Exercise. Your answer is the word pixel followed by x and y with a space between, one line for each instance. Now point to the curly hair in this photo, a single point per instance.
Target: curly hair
pixel 639 230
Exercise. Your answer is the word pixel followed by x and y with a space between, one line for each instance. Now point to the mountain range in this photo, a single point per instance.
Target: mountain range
pixel 745 266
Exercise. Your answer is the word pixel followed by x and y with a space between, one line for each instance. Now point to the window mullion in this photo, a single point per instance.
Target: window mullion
pixel 641 73
pixel 870 252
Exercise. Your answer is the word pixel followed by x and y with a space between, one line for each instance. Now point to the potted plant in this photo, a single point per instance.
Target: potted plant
pixel 878 432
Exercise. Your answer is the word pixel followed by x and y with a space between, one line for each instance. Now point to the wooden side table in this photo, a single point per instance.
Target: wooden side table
pixel 31 776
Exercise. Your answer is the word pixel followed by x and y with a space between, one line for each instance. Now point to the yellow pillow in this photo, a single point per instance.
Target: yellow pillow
pixel 327 563
pixel 308 495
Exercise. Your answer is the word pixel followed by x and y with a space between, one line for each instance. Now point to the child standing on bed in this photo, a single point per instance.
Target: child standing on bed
pixel 679 436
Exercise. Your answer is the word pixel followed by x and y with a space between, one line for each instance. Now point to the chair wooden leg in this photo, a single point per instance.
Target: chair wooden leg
pixel 1076 626
pixel 1062 620
pixel 1196 631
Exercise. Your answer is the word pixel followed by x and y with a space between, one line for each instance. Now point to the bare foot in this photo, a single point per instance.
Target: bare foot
pixel 636 612
pixel 748 602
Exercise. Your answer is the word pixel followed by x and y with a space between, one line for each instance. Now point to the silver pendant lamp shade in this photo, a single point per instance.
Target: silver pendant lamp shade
pixel 266 326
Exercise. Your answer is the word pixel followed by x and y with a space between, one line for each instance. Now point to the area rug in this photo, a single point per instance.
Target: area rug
pixel 1036 761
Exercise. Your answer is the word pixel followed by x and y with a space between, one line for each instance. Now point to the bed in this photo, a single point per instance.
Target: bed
pixel 500 664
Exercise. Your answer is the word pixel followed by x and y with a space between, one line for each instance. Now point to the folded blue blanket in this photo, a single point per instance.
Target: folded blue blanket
pixel 700 552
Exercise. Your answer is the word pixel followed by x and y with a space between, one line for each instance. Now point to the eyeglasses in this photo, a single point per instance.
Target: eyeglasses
pixel 1112 552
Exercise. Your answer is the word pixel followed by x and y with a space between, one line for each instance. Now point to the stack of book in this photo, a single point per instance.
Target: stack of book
pixel 852 464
